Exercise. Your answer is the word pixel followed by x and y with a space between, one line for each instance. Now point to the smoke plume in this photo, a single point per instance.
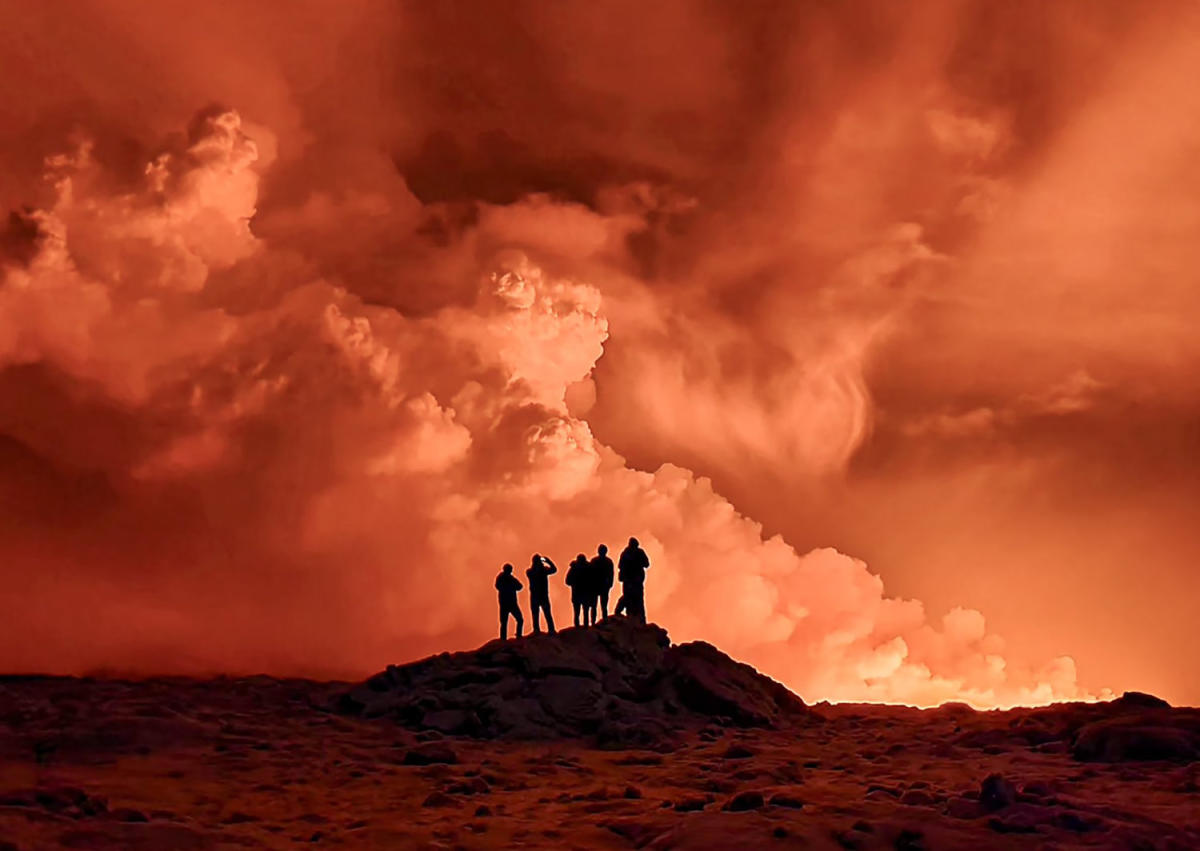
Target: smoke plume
pixel 301 339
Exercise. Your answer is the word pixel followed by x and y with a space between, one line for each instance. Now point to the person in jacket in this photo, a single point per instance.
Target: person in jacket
pixel 602 573
pixel 579 579
pixel 632 567
pixel 507 587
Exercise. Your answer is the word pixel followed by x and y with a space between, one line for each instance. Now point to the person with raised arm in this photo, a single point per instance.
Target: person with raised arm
pixel 538 573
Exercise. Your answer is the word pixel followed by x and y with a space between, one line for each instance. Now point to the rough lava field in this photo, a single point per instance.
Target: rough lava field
pixel 601 738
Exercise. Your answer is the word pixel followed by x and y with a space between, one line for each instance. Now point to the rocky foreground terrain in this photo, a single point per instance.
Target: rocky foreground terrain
pixel 603 738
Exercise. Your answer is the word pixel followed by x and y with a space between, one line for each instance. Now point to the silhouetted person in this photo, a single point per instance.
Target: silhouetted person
pixel 602 574
pixel 579 579
pixel 508 586
pixel 631 569
pixel 539 590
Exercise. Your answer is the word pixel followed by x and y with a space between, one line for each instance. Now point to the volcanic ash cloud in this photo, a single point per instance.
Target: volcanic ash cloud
pixel 287 477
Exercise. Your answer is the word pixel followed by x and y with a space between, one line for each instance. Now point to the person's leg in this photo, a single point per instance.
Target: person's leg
pixel 549 617
pixel 576 605
pixel 621 606
pixel 517 616
pixel 535 607
pixel 503 624
pixel 604 602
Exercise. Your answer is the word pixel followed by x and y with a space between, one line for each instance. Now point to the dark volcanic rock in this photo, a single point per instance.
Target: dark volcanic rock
pixel 917 798
pixel 962 807
pixel 708 682
pixel 996 793
pixel 620 684
pixel 1139 737
pixel 785 800
pixel 432 753
pixel 439 799
pixel 742 801
pixel 737 752
pixel 1141 700
pixel 1133 727
pixel 70 800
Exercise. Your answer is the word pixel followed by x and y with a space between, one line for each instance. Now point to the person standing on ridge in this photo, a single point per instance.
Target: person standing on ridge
pixel 580 581
pixel 539 590
pixel 592 589
pixel 602 573
pixel 632 568
pixel 508 585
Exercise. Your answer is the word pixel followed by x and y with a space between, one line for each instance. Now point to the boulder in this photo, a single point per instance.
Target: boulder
pixel 439 799
pixel 918 798
pixel 996 793
pixel 742 801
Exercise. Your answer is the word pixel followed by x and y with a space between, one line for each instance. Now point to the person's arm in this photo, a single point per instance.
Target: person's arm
pixel 517 582
pixel 498 583
pixel 551 567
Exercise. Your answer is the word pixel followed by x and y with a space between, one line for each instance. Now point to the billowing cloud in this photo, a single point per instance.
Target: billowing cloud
pixel 394 461
pixel 805 298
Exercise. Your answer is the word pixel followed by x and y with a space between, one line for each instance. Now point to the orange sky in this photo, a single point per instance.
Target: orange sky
pixel 872 320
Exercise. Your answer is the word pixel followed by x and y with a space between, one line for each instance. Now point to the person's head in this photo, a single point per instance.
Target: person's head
pixel 581 557
pixel 536 558
pixel 508 568
pixel 603 550
pixel 633 542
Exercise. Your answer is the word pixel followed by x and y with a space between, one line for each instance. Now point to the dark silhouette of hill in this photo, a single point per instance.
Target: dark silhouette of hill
pixel 620 682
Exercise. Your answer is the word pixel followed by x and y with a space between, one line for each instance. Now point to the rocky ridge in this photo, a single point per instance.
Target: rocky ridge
pixel 618 683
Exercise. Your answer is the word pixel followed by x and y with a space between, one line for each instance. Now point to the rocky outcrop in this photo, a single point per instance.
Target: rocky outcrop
pixel 1135 727
pixel 1143 737
pixel 619 683
pixel 1140 700
pixel 1138 727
